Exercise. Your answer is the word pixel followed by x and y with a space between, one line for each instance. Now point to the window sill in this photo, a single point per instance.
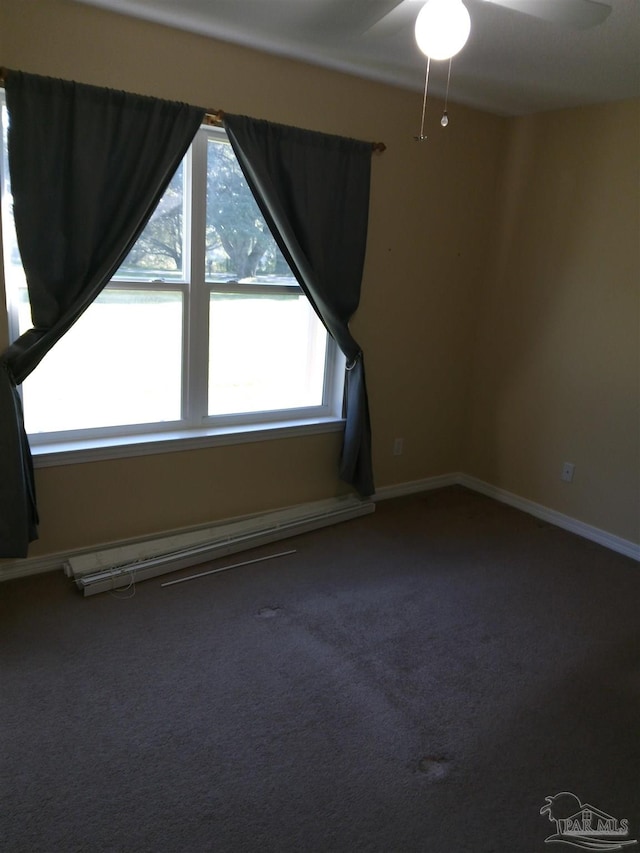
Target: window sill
pixel 149 444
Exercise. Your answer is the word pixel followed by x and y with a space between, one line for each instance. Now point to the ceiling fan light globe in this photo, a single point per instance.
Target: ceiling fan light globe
pixel 442 28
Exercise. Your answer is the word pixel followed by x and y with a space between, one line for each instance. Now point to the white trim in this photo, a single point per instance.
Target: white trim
pixel 413 486
pixel 13 569
pixel 149 444
pixel 10 569
pixel 266 526
pixel 566 522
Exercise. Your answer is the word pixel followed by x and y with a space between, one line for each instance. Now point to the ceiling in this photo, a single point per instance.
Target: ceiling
pixel 513 64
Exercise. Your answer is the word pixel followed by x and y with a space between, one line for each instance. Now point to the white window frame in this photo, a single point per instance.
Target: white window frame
pixel 194 429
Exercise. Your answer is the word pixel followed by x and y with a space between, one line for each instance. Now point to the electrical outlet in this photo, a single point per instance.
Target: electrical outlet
pixel 397 446
pixel 567 472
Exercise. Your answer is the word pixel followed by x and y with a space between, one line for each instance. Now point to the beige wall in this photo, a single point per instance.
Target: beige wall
pixel 499 316
pixel 429 232
pixel 556 357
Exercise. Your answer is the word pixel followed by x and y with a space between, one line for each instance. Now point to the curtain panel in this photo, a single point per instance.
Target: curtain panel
pixel 87 166
pixel 313 191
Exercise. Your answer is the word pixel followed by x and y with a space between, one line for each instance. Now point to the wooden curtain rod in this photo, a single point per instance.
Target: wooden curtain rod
pixel 211 117
pixel 216 117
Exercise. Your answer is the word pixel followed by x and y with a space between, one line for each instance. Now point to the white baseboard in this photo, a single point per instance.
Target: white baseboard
pixel 11 569
pixel 587 531
pixel 221 538
pixel 566 522
pixel 413 486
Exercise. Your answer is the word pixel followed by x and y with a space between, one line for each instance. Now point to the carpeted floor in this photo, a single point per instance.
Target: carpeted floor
pixel 419 679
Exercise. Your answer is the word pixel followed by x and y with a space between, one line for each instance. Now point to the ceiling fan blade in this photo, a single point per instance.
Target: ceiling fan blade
pixel 578 14
pixel 328 18
pixel 402 13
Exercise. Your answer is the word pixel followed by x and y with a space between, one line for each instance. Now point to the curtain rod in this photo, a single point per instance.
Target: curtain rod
pixel 211 116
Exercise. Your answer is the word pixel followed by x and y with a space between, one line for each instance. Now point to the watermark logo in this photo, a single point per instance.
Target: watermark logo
pixel 583 826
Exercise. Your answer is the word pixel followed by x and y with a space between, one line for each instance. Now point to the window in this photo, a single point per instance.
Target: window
pixel 204 331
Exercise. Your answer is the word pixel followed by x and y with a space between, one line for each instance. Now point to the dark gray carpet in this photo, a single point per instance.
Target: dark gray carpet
pixel 416 680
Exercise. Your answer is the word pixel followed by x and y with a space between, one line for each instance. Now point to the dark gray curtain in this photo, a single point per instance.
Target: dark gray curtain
pixel 313 191
pixel 87 166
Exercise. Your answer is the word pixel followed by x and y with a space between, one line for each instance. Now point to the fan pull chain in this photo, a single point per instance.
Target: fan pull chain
pixel 422 137
pixel 444 121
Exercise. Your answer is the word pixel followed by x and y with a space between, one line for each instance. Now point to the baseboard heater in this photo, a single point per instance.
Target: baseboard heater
pixel 120 566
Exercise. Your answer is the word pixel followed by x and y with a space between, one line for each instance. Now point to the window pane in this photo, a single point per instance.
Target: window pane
pixel 119 364
pixel 239 246
pixel 265 352
pixel 14 279
pixel 122 363
pixel 159 251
